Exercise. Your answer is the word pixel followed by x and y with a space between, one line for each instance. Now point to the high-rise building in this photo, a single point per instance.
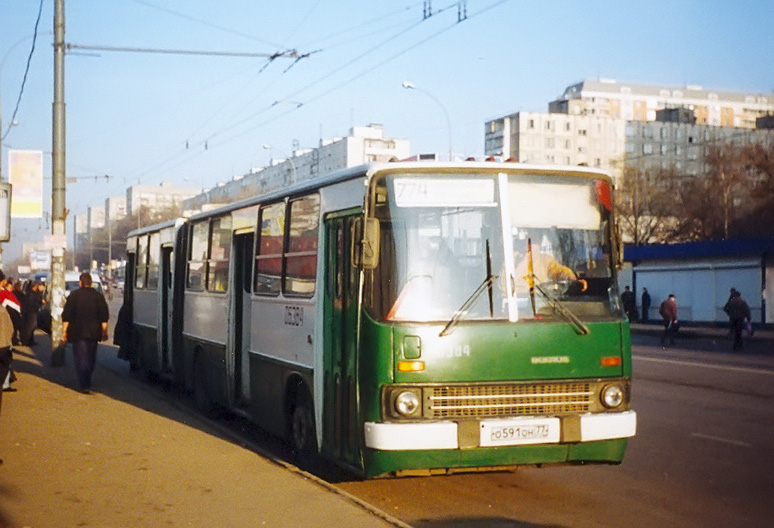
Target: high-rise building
pixel 156 198
pixel 364 144
pixel 640 102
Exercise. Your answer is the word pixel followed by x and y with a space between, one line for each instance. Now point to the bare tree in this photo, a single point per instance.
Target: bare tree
pixel 646 206
pixel 733 198
pixel 756 217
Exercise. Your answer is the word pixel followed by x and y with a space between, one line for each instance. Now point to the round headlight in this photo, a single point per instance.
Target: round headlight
pixel 407 403
pixel 612 396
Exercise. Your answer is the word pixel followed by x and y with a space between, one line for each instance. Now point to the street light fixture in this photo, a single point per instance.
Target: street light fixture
pixel 290 160
pixel 411 86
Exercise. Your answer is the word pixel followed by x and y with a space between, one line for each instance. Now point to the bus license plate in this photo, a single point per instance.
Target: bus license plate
pixel 520 431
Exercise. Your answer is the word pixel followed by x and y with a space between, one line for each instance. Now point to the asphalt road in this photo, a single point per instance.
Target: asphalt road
pixel 703 456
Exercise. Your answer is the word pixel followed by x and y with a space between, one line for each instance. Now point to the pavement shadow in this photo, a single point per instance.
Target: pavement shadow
pixel 114 379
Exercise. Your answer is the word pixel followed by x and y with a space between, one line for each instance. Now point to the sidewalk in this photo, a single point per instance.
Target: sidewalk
pixel 762 340
pixel 120 457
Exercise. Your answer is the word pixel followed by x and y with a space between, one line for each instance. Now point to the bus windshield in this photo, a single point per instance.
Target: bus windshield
pixel 539 240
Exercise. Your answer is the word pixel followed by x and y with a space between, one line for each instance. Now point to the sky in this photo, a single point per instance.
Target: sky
pixel 198 120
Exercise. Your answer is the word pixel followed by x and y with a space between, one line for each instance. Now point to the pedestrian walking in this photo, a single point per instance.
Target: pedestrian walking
pixel 84 324
pixel 739 315
pixel 668 311
pixel 629 301
pixel 645 305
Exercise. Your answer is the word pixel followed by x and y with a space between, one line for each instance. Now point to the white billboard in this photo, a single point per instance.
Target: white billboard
pixel 26 176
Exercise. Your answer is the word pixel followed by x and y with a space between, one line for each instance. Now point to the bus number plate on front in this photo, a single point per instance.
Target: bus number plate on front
pixel 520 431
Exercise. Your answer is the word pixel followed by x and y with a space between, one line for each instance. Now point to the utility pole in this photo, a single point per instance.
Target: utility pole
pixel 58 211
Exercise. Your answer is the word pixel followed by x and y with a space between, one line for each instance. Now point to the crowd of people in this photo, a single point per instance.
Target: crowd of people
pixel 22 301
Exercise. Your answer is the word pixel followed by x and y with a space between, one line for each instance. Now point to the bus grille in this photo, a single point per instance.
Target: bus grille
pixel 468 401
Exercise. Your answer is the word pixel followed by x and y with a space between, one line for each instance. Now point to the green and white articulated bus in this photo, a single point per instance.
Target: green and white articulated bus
pixel 402 318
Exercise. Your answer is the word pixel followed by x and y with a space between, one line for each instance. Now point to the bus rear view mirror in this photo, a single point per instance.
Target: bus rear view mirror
pixel 365 243
pixel 370 243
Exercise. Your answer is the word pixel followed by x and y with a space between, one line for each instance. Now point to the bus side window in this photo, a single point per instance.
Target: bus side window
pixel 220 254
pixel 142 262
pixel 268 258
pixel 301 254
pixel 198 256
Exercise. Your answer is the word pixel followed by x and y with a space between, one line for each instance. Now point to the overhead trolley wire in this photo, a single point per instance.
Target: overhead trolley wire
pixel 359 75
pixel 26 72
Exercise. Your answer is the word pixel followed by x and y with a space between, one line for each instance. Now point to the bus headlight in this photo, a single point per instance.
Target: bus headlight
pixel 612 395
pixel 407 403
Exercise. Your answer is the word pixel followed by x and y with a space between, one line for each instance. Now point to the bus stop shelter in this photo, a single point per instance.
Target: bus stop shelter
pixel 701 275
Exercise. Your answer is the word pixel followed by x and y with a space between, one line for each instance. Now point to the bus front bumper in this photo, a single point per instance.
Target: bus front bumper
pixel 518 431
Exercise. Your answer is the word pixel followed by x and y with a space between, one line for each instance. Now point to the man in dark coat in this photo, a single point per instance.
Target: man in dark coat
pixel 738 313
pixel 645 305
pixel 30 308
pixel 629 301
pixel 84 323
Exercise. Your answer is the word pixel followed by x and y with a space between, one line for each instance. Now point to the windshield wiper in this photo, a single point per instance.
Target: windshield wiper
pixel 557 306
pixel 465 308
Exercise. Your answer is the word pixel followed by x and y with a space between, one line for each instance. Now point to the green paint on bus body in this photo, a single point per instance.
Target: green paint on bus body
pixel 487 352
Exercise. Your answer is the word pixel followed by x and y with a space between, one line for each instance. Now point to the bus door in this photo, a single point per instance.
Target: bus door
pixel 341 433
pixel 240 308
pixel 166 306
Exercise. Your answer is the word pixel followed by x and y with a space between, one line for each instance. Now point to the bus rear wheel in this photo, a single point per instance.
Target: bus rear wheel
pixel 301 432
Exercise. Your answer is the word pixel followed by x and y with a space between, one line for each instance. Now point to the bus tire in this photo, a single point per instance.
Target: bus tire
pixel 201 392
pixel 301 429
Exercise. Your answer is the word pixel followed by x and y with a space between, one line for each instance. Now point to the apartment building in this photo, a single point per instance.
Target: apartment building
pixel 682 145
pixel 158 197
pixel 564 139
pixel 364 144
pixel 640 102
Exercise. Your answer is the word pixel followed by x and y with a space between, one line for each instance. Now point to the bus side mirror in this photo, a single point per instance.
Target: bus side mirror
pixel 370 243
pixel 365 243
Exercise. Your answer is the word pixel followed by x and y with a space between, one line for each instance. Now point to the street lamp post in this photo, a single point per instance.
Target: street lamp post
pixel 290 160
pixel 410 86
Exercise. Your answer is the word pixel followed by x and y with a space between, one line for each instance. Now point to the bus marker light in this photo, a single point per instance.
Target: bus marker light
pixel 411 366
pixel 604 194
pixel 611 361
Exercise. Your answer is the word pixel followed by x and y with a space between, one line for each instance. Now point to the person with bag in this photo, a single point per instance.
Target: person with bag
pixel 739 316
pixel 668 312
pixel 84 323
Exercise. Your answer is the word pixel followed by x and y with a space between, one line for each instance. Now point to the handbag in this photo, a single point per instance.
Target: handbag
pixel 58 355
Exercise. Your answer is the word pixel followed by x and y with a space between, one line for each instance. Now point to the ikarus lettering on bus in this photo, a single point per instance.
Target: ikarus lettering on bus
pixel 550 360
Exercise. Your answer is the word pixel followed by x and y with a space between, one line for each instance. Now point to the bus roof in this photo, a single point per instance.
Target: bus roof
pixel 368 170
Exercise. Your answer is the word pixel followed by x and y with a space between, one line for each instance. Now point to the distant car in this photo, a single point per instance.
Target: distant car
pixel 72 282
